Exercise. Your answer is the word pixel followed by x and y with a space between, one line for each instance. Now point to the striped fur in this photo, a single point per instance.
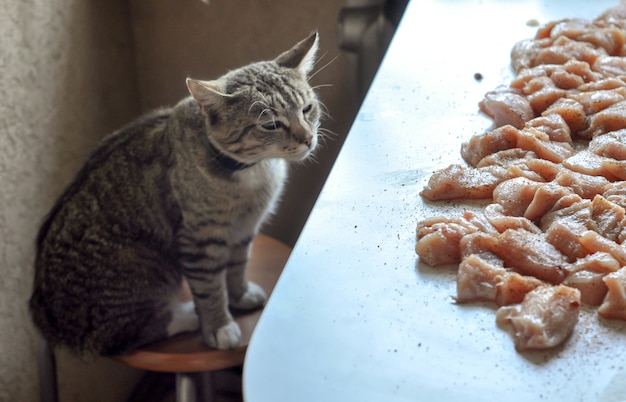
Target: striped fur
pixel 157 202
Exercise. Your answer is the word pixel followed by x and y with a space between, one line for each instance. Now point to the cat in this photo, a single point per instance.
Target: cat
pixel 179 193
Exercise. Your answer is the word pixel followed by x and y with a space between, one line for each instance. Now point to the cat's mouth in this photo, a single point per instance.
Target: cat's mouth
pixel 300 151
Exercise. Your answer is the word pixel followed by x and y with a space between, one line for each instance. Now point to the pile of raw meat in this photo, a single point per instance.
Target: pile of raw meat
pixel 554 235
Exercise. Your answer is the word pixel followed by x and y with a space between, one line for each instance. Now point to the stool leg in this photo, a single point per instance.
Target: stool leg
pixel 47 372
pixel 186 390
pixel 207 386
pixel 192 387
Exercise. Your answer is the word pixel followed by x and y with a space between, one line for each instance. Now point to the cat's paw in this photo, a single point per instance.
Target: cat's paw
pixel 226 337
pixel 253 298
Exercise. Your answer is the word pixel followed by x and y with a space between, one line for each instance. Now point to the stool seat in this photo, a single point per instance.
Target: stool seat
pixel 186 352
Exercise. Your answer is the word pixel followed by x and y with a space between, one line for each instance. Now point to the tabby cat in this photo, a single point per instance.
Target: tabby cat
pixel 178 193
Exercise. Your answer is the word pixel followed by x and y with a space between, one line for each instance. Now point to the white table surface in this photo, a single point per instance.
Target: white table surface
pixel 355 316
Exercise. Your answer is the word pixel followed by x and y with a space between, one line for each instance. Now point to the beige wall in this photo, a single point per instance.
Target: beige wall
pixel 72 71
pixel 66 78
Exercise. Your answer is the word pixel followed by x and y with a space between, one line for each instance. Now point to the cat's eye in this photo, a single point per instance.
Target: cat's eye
pixel 307 108
pixel 273 125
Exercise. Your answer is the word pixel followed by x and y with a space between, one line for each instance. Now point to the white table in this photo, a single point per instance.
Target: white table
pixel 354 316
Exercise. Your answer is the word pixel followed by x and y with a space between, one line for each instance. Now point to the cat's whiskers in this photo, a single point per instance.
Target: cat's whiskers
pixel 323 67
pixel 322 86
pixel 324 110
pixel 266 110
pixel 324 134
pixel 264 104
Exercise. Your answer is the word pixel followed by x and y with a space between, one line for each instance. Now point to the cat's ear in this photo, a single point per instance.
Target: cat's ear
pixel 300 57
pixel 207 92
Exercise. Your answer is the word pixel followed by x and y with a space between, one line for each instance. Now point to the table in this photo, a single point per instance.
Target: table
pixel 355 316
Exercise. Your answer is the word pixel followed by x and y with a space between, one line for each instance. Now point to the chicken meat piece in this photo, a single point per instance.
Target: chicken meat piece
pixel 607 219
pixel 596 101
pixel 506 107
pixel 539 142
pixel 481 244
pixel 482 145
pixel 530 254
pixel 525 52
pixel 614 305
pixel 513 288
pixel 594 242
pixel 610 66
pixel 462 182
pixel 589 163
pixel 546 169
pixel 572 112
pixel 515 161
pixel 483 278
pixel 553 125
pixel 564 49
pixel 438 239
pixel 503 222
pixel 587 276
pixel 544 199
pixel 610 145
pixel 616 193
pixel 602 84
pixel 612 118
pixel 545 319
pixel 571 211
pixel 614 168
pixel 590 284
pixel 566 239
pixel 477 278
pixel 585 185
pixel 515 195
pixel 543 93
pixel 480 222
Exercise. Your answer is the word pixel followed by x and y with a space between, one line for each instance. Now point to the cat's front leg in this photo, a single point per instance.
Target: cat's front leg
pixel 242 294
pixel 217 326
pixel 204 268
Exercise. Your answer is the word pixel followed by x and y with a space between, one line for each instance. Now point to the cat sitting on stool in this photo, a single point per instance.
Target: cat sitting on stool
pixel 179 193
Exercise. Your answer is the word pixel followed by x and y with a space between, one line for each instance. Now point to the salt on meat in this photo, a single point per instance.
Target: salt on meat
pixel 482 145
pixel 503 222
pixel 572 112
pixel 596 101
pixel 612 118
pixel 530 254
pixel 610 145
pixel 585 185
pixel 566 239
pixel 515 195
pixel 554 126
pixel 462 182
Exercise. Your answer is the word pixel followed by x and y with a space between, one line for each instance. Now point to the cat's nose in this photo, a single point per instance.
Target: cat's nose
pixel 302 135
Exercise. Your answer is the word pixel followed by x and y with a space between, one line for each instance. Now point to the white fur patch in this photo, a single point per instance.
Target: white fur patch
pixel 184 319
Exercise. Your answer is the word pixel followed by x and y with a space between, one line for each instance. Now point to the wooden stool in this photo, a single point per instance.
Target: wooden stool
pixel 186 355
